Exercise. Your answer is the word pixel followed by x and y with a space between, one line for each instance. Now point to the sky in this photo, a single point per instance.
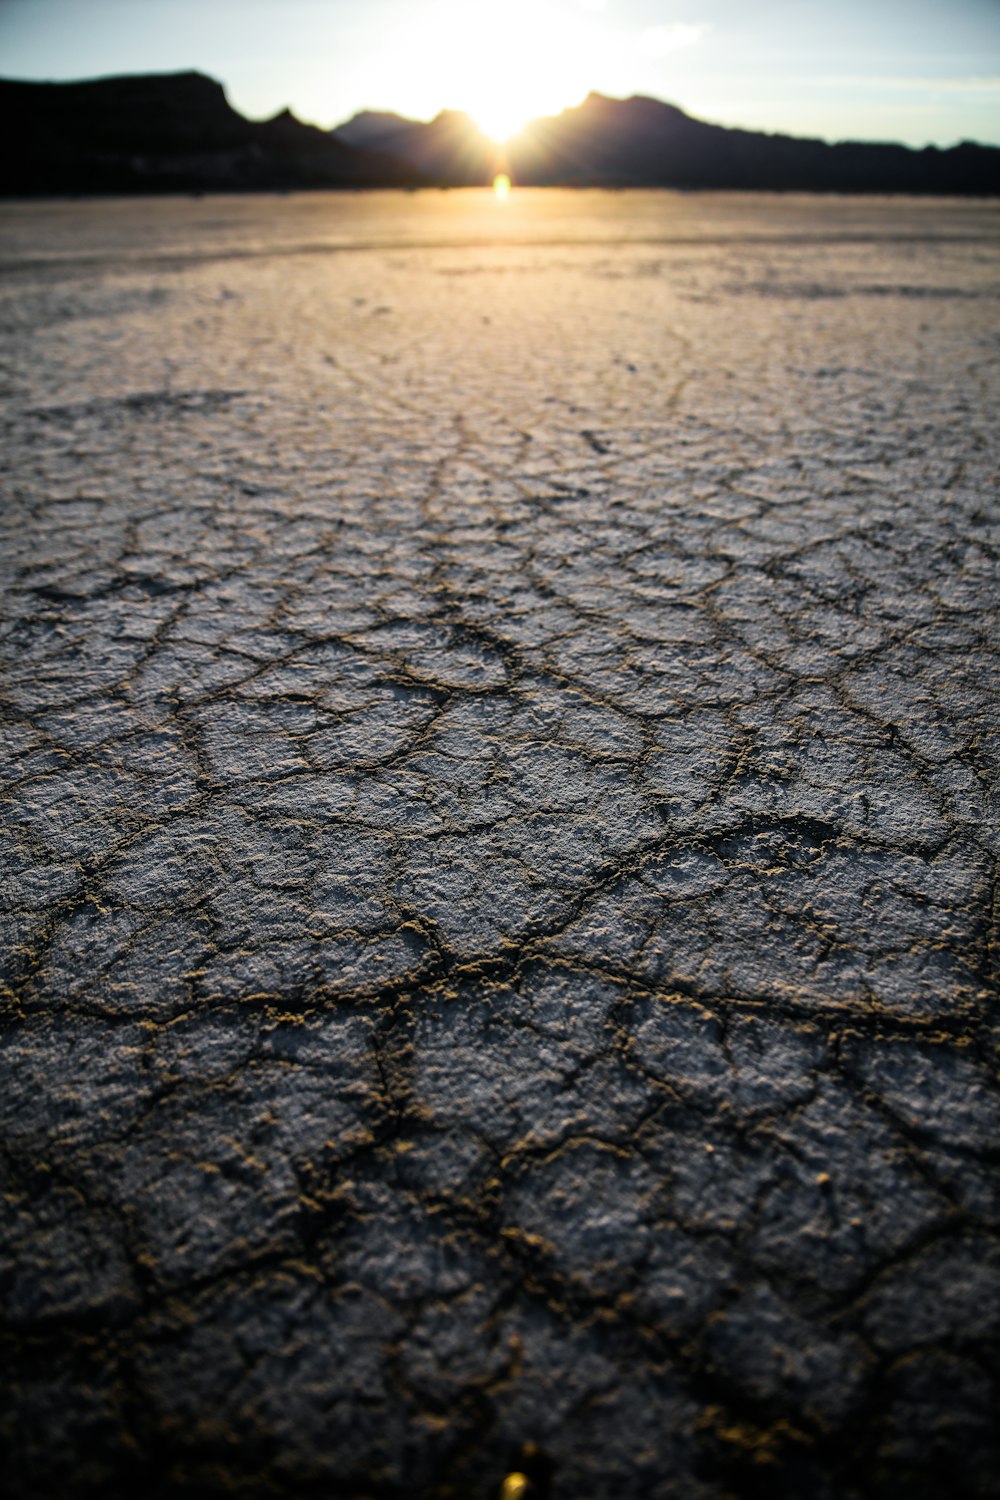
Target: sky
pixel 918 71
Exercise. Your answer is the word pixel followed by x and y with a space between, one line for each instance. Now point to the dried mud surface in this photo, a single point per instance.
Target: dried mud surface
pixel 500 707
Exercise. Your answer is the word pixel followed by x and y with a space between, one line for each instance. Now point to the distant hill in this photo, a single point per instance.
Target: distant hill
pixel 450 149
pixel 178 133
pixel 167 132
pixel 643 142
pixel 371 127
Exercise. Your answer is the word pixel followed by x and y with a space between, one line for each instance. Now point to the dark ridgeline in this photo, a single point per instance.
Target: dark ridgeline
pixel 178 133
pixel 645 143
pixel 450 149
pixel 167 133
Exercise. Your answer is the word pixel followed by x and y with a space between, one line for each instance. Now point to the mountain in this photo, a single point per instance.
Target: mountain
pixel 178 133
pixel 168 133
pixel 373 126
pixel 450 149
pixel 642 142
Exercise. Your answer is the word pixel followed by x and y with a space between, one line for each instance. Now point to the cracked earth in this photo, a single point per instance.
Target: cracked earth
pixel 500 706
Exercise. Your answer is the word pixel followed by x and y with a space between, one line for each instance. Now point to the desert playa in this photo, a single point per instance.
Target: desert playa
pixel 500 706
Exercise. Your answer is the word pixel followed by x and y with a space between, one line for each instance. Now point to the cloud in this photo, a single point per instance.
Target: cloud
pixel 914 85
pixel 659 41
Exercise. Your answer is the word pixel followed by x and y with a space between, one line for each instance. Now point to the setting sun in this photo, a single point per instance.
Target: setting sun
pixel 502 120
pixel 501 185
pixel 505 66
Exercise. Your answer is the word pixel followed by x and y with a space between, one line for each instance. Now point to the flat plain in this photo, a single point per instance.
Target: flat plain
pixel 500 704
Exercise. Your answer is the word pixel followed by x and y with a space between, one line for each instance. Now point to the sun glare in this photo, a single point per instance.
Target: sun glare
pixel 501 120
pixel 501 185
pixel 507 65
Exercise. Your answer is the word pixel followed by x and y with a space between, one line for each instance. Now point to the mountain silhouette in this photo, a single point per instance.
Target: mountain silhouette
pixel 642 142
pixel 374 127
pixel 178 133
pixel 167 132
pixel 450 149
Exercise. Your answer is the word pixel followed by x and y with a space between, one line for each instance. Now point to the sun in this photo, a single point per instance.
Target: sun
pixel 501 119
pixel 504 65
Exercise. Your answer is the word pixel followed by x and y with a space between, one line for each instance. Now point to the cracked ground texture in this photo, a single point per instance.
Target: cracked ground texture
pixel 500 709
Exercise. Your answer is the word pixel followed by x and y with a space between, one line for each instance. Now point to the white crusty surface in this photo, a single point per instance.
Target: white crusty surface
pixel 500 706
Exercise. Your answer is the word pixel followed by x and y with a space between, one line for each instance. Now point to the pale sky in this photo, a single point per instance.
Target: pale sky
pixel 918 71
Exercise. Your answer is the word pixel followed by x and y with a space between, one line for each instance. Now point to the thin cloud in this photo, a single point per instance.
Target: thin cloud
pixel 660 41
pixel 949 85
